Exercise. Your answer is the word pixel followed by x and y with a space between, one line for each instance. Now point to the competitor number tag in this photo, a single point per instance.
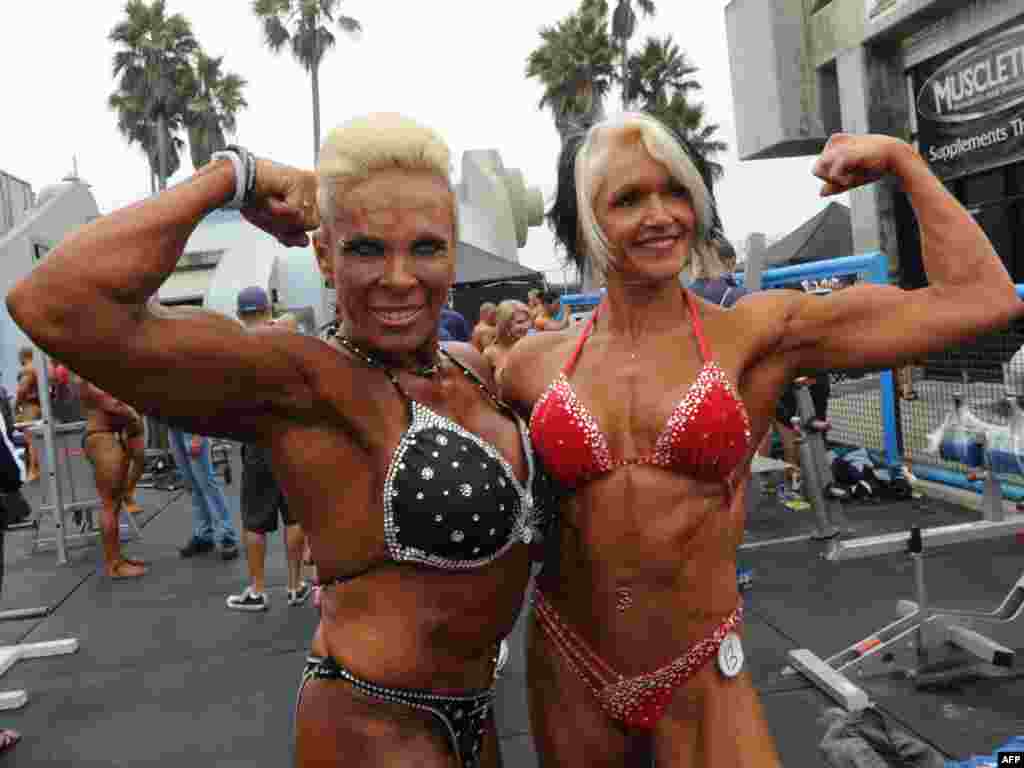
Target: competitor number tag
pixel 730 655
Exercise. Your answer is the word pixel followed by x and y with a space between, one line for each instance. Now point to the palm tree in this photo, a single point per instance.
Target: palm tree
pixel 688 119
pixel 575 63
pixel 215 98
pixel 623 27
pixel 133 125
pixel 305 25
pixel 154 70
pixel 660 78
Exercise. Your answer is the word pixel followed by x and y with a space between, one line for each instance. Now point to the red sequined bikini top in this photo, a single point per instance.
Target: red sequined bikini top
pixel 706 437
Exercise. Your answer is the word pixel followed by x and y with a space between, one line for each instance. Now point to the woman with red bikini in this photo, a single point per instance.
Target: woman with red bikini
pixel 648 417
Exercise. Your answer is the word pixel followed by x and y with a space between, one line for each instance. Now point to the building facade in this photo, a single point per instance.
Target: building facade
pixel 947 75
pixel 15 198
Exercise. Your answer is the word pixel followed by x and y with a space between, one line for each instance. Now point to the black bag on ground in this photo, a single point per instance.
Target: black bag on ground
pixel 14 508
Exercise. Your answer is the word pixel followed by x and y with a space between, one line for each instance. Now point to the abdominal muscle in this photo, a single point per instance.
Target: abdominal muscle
pixel 670 544
pixel 644 554
pixel 417 627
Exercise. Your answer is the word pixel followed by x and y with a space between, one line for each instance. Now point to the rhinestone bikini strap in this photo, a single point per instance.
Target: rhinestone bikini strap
pixel 503 407
pixel 475 378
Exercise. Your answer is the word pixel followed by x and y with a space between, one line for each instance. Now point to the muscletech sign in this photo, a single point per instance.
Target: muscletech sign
pixel 970 105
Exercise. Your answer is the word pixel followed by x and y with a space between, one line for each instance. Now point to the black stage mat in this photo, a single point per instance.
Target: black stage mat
pixel 840 604
pixel 116 627
pixel 765 650
pixel 773 520
pixel 213 710
pixel 517 751
pixel 33 579
pixel 795 719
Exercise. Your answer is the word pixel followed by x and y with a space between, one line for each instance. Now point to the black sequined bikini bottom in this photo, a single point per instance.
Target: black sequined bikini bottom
pixel 464 717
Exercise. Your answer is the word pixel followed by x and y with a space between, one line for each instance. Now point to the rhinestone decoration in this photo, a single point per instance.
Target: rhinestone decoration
pixel 624 599
pixel 441 440
pixel 473 707
pixel 560 406
pixel 639 701
pixel 455 465
pixel 510 499
pixel 711 400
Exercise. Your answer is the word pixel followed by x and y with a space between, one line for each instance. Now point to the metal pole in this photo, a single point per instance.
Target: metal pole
pixel 50 446
pixel 879 273
pixel 752 273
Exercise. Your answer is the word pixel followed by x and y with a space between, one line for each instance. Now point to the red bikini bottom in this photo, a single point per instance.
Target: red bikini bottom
pixel 638 702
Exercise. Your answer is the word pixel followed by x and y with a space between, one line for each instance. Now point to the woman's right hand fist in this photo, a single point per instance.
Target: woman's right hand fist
pixel 284 202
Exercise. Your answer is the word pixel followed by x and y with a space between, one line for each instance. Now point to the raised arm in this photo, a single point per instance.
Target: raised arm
pixel 88 304
pixel 870 326
pixel 95 398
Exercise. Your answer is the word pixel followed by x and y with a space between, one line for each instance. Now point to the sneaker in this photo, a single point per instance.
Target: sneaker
pixel 744 578
pixel 784 493
pixel 196 547
pixel 229 552
pixel 300 595
pixel 248 601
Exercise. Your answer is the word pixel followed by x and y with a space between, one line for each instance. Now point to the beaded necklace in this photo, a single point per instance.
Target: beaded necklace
pixel 424 371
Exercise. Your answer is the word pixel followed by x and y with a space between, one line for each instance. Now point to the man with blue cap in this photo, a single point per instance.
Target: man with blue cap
pixel 262 500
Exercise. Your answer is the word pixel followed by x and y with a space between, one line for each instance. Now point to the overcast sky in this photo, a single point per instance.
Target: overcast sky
pixel 456 65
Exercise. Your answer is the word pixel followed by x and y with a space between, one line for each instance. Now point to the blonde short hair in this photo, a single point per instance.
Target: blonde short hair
pixel 376 142
pixel 591 167
pixel 503 315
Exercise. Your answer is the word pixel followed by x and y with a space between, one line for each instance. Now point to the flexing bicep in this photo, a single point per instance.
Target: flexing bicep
pixel 198 371
pixel 881 326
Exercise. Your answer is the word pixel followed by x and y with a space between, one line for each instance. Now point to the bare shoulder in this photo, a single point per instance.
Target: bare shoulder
pixel 533 362
pixel 760 317
pixel 470 357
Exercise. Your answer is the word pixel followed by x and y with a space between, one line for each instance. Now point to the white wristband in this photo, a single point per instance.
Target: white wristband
pixel 240 177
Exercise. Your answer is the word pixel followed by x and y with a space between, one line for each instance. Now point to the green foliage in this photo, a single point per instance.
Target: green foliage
pixel 576 64
pixel 166 85
pixel 660 82
pixel 304 25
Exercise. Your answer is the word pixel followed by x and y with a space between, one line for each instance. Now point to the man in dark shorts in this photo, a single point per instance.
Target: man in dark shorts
pixel 263 503
pixel 786 409
pixel 820 388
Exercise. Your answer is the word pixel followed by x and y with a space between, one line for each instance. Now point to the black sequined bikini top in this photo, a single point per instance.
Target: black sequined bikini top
pixel 451 500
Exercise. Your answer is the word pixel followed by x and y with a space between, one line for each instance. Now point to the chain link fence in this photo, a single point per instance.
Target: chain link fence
pixel 971 371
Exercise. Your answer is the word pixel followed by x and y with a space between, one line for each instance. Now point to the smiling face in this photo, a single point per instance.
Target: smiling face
pixel 645 213
pixel 519 324
pixel 393 244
